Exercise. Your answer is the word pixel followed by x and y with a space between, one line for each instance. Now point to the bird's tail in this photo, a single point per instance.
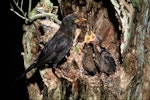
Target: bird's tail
pixel 33 65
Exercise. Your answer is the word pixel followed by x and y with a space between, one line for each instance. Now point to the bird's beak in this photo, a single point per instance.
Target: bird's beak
pixel 90 37
pixel 79 20
pixel 87 38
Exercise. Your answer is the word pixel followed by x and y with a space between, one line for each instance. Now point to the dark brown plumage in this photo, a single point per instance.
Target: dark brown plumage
pixel 88 62
pixel 103 59
pixel 58 46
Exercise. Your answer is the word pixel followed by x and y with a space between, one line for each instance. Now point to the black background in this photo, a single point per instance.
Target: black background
pixel 11 48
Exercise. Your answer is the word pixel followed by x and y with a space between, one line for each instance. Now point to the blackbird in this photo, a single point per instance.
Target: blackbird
pixel 88 62
pixel 103 59
pixel 58 46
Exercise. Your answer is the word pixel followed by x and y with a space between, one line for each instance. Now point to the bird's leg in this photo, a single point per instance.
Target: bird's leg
pixel 53 70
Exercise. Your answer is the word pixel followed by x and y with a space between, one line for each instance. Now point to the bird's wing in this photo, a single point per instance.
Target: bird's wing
pixel 107 57
pixel 62 44
pixel 53 48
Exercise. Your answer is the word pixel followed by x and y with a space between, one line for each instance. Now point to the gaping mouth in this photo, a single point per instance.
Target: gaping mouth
pixel 79 20
pixel 90 37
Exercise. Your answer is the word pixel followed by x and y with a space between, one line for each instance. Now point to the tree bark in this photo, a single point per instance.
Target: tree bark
pixel 124 28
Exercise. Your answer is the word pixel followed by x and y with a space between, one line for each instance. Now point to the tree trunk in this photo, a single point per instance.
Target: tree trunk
pixel 124 30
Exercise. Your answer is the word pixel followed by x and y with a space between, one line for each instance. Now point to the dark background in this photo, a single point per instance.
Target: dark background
pixel 11 48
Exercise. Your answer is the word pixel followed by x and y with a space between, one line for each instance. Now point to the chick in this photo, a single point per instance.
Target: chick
pixel 88 62
pixel 103 59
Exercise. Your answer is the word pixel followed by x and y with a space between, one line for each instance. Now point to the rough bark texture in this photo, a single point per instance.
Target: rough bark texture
pixel 124 29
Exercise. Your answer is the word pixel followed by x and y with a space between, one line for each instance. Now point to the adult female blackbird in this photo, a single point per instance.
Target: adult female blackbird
pixel 58 46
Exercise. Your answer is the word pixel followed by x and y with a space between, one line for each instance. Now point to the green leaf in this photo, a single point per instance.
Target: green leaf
pixel 76 48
